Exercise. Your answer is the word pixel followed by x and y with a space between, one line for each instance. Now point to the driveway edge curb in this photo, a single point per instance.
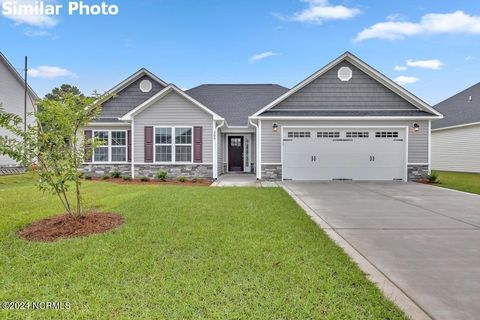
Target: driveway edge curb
pixel 390 290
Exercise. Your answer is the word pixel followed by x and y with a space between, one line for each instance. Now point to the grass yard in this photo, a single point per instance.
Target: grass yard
pixel 468 182
pixel 183 253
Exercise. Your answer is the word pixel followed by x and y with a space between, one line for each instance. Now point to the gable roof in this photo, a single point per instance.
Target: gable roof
pixel 382 79
pixel 168 89
pixel 459 109
pixel 127 99
pixel 134 77
pixel 236 102
pixel 17 76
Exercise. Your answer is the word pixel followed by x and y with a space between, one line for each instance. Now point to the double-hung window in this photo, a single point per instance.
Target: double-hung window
pixel 173 144
pixel 163 145
pixel 113 146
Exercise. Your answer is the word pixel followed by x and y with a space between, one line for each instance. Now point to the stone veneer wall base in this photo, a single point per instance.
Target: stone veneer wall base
pixel 98 170
pixel 417 172
pixel 271 172
pixel 174 171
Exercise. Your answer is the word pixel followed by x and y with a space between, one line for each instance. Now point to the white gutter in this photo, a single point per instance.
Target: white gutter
pixel 345 118
pixel 215 149
pixel 457 126
pixel 257 148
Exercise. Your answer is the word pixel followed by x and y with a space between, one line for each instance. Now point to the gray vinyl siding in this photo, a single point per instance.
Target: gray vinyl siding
pixel 129 98
pixel 456 149
pixel 12 100
pixel 417 141
pixel 173 110
pixel 362 92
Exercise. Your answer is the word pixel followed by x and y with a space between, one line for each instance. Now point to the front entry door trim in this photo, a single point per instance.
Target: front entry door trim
pixel 236 145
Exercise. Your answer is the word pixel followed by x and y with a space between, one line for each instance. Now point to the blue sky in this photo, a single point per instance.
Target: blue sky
pixel 435 45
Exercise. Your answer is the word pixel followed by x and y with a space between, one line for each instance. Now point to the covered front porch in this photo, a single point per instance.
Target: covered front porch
pixel 237 152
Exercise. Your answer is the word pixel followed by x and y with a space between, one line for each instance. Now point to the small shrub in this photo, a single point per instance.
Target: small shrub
pixel 162 175
pixel 127 178
pixel 115 174
pixel 433 178
pixel 144 179
pixel 106 176
pixel 182 179
pixel 88 177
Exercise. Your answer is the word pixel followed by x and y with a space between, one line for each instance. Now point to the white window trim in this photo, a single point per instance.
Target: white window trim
pixel 109 146
pixel 173 145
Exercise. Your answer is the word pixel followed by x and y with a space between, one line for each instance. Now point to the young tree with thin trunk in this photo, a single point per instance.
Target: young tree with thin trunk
pixel 54 145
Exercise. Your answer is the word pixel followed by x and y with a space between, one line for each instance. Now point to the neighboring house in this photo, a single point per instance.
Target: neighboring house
pixel 456 138
pixel 12 98
pixel 346 121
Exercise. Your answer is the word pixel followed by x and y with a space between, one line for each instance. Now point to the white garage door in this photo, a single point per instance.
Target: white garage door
pixel 344 154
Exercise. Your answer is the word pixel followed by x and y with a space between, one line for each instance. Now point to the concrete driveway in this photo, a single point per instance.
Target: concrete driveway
pixel 425 239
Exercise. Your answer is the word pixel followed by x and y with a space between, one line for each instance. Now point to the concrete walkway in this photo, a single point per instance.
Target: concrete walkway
pixel 241 180
pixel 423 240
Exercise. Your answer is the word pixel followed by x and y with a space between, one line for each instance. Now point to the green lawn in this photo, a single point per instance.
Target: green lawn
pixel 468 182
pixel 183 253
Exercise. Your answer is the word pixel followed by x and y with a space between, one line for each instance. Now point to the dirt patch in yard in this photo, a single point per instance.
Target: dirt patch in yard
pixel 66 226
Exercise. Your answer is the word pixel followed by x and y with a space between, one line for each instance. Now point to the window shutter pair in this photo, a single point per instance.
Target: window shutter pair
pixel 197 144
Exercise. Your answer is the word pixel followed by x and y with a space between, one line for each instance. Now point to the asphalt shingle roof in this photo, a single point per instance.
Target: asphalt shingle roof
pixel 236 102
pixel 459 109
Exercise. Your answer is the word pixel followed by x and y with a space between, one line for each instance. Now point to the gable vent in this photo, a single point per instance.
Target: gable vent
pixel 146 86
pixel 345 73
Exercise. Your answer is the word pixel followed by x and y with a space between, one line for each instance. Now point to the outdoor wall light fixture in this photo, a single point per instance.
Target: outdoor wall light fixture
pixel 275 127
pixel 416 127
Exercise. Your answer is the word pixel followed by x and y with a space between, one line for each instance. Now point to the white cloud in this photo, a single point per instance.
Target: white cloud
pixel 403 80
pixel 400 68
pixel 468 58
pixel 35 32
pixel 49 72
pixel 33 19
pixel 321 10
pixel 262 56
pixel 432 23
pixel 433 64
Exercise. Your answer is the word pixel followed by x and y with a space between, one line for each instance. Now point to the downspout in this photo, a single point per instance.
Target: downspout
pixel 257 147
pixel 215 148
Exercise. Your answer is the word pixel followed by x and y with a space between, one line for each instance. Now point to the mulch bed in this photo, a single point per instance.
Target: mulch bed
pixel 199 183
pixel 425 181
pixel 66 226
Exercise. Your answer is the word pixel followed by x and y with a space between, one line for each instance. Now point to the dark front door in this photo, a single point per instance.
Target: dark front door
pixel 235 154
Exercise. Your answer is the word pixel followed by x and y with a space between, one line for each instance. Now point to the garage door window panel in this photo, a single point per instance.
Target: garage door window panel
pixel 357 135
pixel 386 134
pixel 328 134
pixel 299 134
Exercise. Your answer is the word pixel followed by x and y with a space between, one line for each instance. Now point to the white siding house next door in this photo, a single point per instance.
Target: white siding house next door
pixel 340 153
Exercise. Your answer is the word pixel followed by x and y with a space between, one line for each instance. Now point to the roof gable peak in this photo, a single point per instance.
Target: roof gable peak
pixel 357 62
